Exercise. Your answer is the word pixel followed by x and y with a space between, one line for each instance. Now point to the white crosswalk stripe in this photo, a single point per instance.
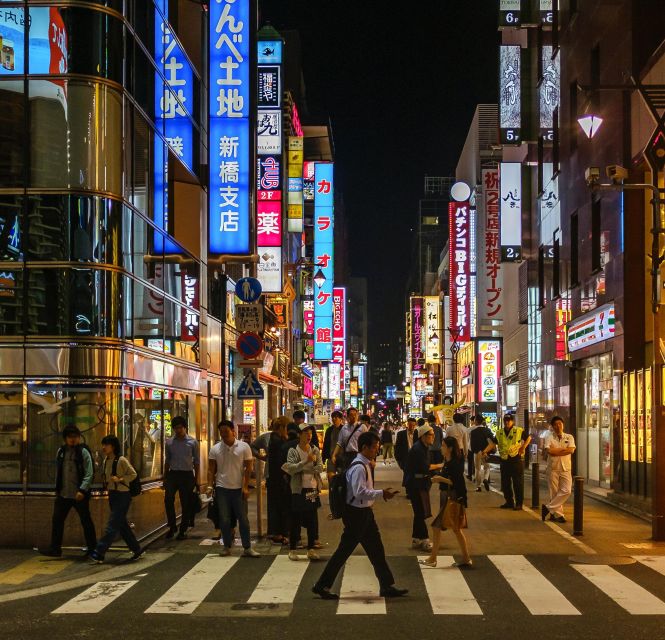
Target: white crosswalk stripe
pixel 449 590
pixel 191 590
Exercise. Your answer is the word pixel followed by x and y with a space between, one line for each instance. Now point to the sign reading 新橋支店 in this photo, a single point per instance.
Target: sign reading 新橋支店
pixel 591 328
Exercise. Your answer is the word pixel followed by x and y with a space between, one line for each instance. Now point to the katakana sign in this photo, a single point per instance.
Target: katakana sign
pixel 432 326
pixel 460 269
pixel 417 333
pixel 323 260
pixel 339 325
pixel 489 271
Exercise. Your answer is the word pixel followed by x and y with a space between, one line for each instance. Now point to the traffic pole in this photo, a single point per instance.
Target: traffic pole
pixel 535 485
pixel 578 507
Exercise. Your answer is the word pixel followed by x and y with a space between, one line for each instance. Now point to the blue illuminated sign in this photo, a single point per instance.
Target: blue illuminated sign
pixel 324 263
pixel 228 223
pixel 270 52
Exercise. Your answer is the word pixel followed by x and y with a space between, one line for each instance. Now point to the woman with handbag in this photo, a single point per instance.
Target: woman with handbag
pixel 452 514
pixel 304 465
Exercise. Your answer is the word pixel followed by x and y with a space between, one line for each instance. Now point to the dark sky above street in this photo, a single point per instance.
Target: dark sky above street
pixel 400 81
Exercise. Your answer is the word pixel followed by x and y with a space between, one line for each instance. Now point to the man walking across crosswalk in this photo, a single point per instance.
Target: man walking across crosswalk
pixel 558 447
pixel 359 524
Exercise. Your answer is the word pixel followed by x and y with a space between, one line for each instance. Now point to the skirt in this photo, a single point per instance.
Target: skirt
pixel 452 515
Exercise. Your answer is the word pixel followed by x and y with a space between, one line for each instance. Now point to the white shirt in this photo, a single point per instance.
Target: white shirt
pixel 559 463
pixel 459 432
pixel 230 463
pixel 360 491
pixel 345 434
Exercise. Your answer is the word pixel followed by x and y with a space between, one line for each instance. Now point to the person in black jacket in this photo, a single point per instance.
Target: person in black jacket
pixel 404 442
pixel 330 442
pixel 417 483
pixel 452 482
pixel 278 525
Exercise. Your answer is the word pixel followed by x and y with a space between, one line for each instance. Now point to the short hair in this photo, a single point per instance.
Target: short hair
pixel 431 418
pixel 367 439
pixel 352 409
pixel 478 418
pixel 411 419
pixel 114 442
pixel 178 421
pixel 297 415
pixel 223 424
pixel 365 418
pixel 555 418
pixel 337 414
pixel 458 417
pixel 70 430
pixel 421 422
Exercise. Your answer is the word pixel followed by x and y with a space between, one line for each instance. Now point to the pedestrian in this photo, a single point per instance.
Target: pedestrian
pixel 278 523
pixel 304 466
pixel 512 441
pixel 181 469
pixel 558 448
pixel 436 457
pixel 404 442
pixel 367 421
pixel 387 445
pixel 347 443
pixel 360 526
pixel 417 483
pixel 481 443
pixel 459 431
pixel 452 512
pixel 117 474
pixel 73 478
pixel 229 470
pixel 330 442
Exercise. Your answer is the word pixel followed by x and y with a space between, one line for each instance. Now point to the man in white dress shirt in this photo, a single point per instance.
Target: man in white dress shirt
pixel 559 447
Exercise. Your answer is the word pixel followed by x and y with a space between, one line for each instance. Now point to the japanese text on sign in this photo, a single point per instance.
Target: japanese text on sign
pixel 460 294
pixel 490 272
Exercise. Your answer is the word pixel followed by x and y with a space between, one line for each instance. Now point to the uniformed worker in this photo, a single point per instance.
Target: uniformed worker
pixel 558 447
pixel 512 442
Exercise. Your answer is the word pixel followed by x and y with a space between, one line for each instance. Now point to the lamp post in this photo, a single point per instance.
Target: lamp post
pixel 654 153
pixel 454 350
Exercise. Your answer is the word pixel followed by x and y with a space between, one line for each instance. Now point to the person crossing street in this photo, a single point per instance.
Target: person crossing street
pixel 558 447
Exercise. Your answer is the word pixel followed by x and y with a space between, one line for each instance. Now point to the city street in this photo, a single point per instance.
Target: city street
pixel 527 577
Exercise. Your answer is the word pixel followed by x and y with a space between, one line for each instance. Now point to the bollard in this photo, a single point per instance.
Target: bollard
pixel 578 506
pixel 259 499
pixel 535 486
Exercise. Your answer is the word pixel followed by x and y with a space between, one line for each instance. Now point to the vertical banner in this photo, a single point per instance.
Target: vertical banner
pixel 510 94
pixel 489 270
pixel 550 91
pixel 488 370
pixel 295 185
pixel 324 264
pixel 417 333
pixel 511 211
pixel 339 325
pixel 432 330
pixel 230 145
pixel 460 265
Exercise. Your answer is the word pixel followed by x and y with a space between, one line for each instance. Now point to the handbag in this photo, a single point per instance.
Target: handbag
pixel 454 514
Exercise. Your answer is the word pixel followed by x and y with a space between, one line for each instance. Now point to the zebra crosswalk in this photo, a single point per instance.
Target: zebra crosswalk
pixel 544 585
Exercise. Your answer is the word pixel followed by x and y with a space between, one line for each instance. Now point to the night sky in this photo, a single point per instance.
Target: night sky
pixel 400 81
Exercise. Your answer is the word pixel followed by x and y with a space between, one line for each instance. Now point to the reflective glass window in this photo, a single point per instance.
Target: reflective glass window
pixel 12 309
pixel 11 436
pixel 11 229
pixel 12 132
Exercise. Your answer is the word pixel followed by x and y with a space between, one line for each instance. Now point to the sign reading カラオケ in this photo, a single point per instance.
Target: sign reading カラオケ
pixel 324 265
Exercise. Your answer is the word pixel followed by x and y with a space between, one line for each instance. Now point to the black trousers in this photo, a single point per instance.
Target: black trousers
pixel 419 529
pixel 61 508
pixel 182 483
pixel 278 507
pixel 307 518
pixel 359 529
pixel 512 480
pixel 470 464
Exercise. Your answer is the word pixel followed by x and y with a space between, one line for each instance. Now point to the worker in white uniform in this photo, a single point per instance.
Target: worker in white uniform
pixel 559 447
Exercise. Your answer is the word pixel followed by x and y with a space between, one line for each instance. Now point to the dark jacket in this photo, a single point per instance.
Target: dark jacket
pixel 454 470
pixel 402 448
pixel 416 470
pixel 275 462
pixel 329 443
pixel 85 467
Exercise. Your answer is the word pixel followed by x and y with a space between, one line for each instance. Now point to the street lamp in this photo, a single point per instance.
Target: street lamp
pixel 590 124
pixel 319 279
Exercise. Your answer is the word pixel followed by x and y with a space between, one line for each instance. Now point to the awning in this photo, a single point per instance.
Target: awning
pixel 289 386
pixel 277 381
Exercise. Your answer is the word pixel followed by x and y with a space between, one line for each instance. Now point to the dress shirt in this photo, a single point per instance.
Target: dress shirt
pixel 182 455
pixel 345 434
pixel 559 463
pixel 459 432
pixel 360 491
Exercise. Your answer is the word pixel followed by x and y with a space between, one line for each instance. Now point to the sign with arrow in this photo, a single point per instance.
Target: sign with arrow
pixel 250 388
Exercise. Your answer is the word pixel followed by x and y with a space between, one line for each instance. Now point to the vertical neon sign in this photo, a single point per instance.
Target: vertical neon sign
pixel 324 266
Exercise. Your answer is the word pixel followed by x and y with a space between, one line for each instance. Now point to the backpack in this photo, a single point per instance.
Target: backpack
pixel 337 492
pixel 134 486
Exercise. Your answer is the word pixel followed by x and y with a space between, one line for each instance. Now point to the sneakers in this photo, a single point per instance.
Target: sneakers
pixel 181 536
pixel 137 555
pixel 251 553
pixel 416 544
pixel 426 545
pixel 226 551
pixel 312 555
pixel 95 558
pixel 170 533
pixel 293 555
pixel 487 485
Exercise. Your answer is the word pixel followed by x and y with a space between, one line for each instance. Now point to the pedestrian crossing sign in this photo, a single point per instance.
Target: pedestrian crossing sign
pixel 250 388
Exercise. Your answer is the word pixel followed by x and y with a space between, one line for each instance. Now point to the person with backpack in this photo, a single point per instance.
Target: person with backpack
pixel 120 480
pixel 74 474
pixel 347 443
pixel 359 524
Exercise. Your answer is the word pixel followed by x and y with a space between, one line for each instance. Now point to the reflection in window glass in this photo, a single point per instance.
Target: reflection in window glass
pixel 148 432
pixel 12 131
pixel 11 302
pixel 11 436
pixel 11 245
pixel 12 33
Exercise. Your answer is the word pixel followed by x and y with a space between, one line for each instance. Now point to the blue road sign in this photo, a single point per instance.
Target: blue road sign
pixel 248 289
pixel 249 345
pixel 250 388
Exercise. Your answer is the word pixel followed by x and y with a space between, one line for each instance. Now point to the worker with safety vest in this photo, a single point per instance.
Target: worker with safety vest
pixel 512 442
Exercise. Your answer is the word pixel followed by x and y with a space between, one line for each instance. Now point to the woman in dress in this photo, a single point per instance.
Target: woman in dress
pixel 452 514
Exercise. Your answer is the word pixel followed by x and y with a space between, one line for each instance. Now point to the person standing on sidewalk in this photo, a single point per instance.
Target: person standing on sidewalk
pixel 330 442
pixel 387 446
pixel 278 529
pixel 435 455
pixel 512 442
pixel 74 473
pixel 459 431
pixel 181 469
pixel 230 466
pixel 303 464
pixel 558 447
pixel 117 473
pixel 360 526
pixel 404 442
pixel 347 443
pixel 481 442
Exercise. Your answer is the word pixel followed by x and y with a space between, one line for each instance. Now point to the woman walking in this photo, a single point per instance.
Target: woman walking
pixel 303 464
pixel 117 474
pixel 452 514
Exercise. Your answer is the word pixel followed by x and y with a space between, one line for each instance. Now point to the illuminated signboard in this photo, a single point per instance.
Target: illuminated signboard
pixel 510 13
pixel 335 380
pixel 550 92
pixel 270 52
pixel 269 223
pixel 308 181
pixel 562 317
pixel 189 321
pixel 325 387
pixel 432 330
pixel 307 387
pixel 489 272
pixel 354 387
pixel 270 90
pixel 295 185
pixel 510 175
pixel 417 333
pixel 230 144
pixel 339 325
pixel 269 132
pixel 269 178
pixel 550 208
pixel 546 12
pixel 361 376
pixel 510 94
pixel 591 328
pixel 269 269
pixel 324 267
pixel 460 263
pixel 488 370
